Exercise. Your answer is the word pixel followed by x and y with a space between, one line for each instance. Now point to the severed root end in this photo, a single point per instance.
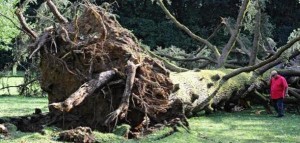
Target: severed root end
pixel 121 111
pixel 61 106
pixel 123 108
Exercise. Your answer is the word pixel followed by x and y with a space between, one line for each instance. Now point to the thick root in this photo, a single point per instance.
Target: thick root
pixel 123 108
pixel 85 90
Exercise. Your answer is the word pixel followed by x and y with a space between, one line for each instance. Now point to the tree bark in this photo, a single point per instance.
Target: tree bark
pixel 228 47
pixel 256 38
pixel 84 90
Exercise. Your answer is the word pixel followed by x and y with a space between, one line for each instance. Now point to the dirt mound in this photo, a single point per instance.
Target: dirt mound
pixel 78 135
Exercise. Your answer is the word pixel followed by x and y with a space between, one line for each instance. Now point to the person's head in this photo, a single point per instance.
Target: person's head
pixel 274 73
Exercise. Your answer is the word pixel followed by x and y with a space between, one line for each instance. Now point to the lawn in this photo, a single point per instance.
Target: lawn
pixel 10 81
pixel 245 126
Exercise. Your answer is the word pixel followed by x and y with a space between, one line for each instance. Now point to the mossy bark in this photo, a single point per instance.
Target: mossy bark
pixel 195 87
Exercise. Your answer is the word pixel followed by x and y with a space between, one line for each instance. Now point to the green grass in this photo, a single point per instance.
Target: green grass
pixel 238 127
pixel 10 81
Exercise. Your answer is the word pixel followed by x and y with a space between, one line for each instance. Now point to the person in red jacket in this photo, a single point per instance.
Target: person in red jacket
pixel 279 89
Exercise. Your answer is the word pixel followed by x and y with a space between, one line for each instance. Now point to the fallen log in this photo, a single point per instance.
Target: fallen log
pixel 97 74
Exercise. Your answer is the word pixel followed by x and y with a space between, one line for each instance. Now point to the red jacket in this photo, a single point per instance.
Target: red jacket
pixel 278 87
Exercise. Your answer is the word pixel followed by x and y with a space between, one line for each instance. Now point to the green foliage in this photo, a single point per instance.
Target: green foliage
pixel 8 29
pixel 46 19
pixel 294 34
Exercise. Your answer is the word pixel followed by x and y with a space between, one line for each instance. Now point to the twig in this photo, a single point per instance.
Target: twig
pixel 209 38
pixel 21 85
pixel 240 42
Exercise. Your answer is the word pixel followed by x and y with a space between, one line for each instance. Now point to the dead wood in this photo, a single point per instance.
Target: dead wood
pixel 228 47
pixel 124 105
pixel 3 130
pixel 265 101
pixel 78 135
pixel 257 34
pixel 84 90
pixel 240 42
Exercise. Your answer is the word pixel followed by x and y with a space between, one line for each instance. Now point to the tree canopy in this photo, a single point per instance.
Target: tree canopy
pixel 8 23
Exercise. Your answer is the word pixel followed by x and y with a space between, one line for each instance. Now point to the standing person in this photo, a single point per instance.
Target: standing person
pixel 279 89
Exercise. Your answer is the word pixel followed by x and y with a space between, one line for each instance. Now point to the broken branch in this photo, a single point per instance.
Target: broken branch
pixel 188 31
pixel 228 47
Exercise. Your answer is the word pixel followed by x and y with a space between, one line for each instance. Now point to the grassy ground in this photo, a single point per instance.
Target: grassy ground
pixel 10 81
pixel 245 126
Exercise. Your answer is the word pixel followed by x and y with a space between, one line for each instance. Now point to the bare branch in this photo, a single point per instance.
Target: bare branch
pixel 209 37
pixel 24 25
pixel 263 69
pixel 228 47
pixel 167 64
pixel 188 59
pixel 188 31
pixel 56 13
pixel 21 85
pixel 256 35
pixel 40 42
pixel 240 42
pixel 267 61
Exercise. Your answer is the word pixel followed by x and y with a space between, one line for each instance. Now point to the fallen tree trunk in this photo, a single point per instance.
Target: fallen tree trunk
pixel 96 74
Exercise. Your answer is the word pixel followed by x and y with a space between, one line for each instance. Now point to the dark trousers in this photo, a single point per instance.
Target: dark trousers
pixel 278 105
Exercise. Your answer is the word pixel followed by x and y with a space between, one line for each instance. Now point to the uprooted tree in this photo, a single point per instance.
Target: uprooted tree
pixel 97 74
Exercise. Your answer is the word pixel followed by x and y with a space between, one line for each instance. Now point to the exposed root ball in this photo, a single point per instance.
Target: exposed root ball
pixel 76 53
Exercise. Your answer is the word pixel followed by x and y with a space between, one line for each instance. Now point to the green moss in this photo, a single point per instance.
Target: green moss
pixel 235 83
pixel 122 130
pixel 203 84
